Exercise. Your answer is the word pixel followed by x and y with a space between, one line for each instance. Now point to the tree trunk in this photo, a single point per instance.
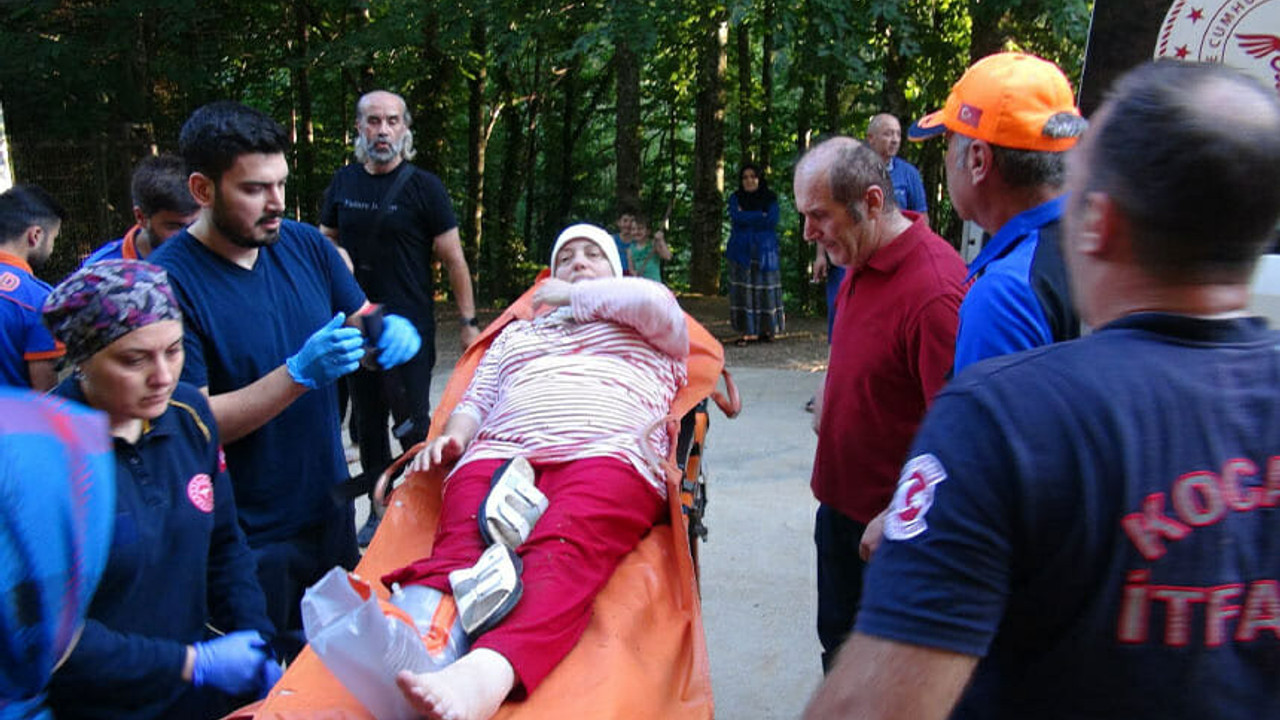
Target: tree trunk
pixel 503 249
pixel 626 143
pixel 564 180
pixel 803 257
pixel 893 95
pixel 832 123
pixel 364 80
pixel 985 37
pixel 476 142
pixel 766 87
pixel 531 153
pixel 306 195
pixel 708 153
pixel 744 94
pixel 431 96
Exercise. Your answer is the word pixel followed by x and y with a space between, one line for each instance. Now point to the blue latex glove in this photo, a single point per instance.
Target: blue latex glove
pixel 399 341
pixel 331 352
pixel 271 674
pixel 232 663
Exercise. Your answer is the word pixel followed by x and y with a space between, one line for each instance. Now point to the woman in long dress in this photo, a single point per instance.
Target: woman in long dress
pixel 755 277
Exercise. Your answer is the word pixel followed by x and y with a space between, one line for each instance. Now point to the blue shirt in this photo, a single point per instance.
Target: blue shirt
pixel 1099 520
pixel 176 543
pixel 241 325
pixel 57 481
pixel 622 252
pixel 908 188
pixel 1021 297
pixel 753 236
pixel 122 248
pixel 23 336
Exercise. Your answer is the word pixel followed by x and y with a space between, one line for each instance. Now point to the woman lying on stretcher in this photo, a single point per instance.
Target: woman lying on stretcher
pixel 551 488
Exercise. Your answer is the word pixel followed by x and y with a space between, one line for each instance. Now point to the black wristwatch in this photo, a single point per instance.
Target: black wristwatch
pixel 469 322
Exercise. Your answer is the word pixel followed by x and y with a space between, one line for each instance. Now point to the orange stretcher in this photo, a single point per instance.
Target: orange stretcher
pixel 643 654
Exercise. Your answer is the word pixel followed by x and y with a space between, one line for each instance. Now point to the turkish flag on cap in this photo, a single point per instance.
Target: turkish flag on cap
pixel 969 115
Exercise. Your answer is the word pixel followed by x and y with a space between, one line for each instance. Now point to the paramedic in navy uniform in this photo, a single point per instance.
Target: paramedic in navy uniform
pixel 177 556
pixel 267 305
pixel 1092 528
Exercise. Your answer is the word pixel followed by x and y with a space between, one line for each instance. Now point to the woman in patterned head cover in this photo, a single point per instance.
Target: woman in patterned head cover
pixel 178 558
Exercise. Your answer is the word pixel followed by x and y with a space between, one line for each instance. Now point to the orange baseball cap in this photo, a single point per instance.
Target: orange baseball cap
pixel 1005 99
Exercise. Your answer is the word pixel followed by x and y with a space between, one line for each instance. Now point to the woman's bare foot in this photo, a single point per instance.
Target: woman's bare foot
pixel 472 688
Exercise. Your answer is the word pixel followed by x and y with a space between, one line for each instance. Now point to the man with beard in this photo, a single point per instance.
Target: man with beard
pixel 393 218
pixel 269 306
pixel 29 223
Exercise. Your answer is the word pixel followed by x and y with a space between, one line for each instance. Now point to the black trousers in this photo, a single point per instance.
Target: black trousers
pixel 840 569
pixel 288 567
pixel 401 393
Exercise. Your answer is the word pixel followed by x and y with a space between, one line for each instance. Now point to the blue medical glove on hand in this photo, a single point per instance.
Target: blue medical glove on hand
pixel 333 351
pixel 271 674
pixel 399 341
pixel 232 663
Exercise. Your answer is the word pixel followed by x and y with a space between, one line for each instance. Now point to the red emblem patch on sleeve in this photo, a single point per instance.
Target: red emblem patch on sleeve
pixel 200 492
pixel 913 498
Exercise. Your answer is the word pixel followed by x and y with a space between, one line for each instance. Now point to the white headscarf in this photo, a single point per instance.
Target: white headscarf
pixel 597 235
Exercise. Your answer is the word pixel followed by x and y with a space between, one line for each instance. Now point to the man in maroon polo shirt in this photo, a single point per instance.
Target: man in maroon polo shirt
pixel 893 347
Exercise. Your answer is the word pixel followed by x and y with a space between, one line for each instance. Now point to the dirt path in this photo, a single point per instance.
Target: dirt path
pixel 802 347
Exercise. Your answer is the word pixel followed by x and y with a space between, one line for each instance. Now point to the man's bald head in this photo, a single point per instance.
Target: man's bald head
pixel 884 135
pixel 1190 153
pixel 383 136
pixel 851 167
pixel 382 96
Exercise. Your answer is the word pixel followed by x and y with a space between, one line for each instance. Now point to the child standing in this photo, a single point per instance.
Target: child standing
pixel 644 258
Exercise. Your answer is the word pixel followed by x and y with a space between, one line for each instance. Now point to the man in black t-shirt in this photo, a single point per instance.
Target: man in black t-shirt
pixel 391 251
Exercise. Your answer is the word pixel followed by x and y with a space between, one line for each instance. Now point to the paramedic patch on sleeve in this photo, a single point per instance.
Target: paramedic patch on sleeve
pixel 913 498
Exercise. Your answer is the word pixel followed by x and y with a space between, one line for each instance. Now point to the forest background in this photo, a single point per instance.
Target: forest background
pixel 534 115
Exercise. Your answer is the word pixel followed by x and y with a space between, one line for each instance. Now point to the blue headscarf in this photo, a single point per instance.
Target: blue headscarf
pixel 57 505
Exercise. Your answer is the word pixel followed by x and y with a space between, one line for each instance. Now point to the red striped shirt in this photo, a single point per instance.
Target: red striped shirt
pixel 583 381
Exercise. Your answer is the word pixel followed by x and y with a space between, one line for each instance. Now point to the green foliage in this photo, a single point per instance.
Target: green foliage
pixel 105 80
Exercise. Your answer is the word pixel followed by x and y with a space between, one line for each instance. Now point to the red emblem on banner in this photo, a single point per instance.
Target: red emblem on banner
pixel 1244 34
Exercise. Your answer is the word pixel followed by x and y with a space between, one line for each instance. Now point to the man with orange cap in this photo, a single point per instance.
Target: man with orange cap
pixel 1009 122
pixel 1091 529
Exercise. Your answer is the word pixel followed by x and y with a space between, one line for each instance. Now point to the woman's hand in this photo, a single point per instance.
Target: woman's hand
pixel 552 292
pixel 444 450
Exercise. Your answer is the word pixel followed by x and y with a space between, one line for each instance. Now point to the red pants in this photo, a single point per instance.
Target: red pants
pixel 599 509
